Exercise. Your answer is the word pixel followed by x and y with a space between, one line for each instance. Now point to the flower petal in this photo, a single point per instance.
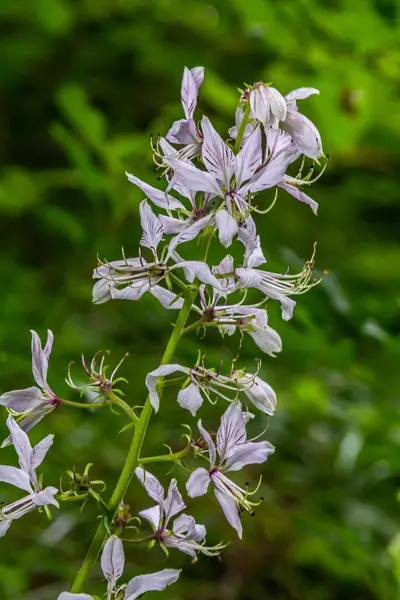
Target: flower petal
pixel 227 227
pixel 152 515
pixel 173 504
pixel 300 94
pixel 153 582
pixel 218 158
pixel 231 511
pixel 250 453
pixel 16 477
pixel 151 484
pixel 198 482
pixel 231 432
pixel 113 559
pixel 40 450
pixel 187 526
pixel 190 398
pixel 22 400
pixel 152 377
pixel 40 361
pixel 189 92
pixel 249 157
pixel 21 444
pixel 208 439
pixel 166 298
pixel 262 396
pixel 159 197
pixel 4 527
pixel 304 133
pixel 46 496
pixel 189 233
pixel 151 225
pixel 201 270
pixel 194 179
pixel 297 193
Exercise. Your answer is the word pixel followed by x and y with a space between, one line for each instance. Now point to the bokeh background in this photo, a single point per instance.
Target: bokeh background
pixel 83 85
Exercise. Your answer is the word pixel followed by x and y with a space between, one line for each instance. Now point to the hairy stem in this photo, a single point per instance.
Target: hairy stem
pixel 133 457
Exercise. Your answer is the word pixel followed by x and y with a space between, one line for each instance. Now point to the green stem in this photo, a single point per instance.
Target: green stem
pixel 84 404
pixel 124 405
pixel 165 457
pixel 132 459
pixel 242 128
pixel 201 323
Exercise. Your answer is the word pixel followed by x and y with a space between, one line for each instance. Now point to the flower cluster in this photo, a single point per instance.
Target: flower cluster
pixel 211 190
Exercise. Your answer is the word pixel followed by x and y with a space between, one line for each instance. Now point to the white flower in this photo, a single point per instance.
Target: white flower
pixel 234 452
pixel 302 130
pixel 112 565
pixel 25 477
pixel 33 403
pixel 202 383
pixel 279 286
pixel 184 534
pixel 267 105
pixel 235 179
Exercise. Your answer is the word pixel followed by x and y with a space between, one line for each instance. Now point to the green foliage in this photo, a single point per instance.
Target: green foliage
pixel 84 84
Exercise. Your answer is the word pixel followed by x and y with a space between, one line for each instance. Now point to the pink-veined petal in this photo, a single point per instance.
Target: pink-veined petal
pixel 113 559
pixel 21 444
pixel 22 400
pixel 189 91
pixel 151 225
pixel 297 193
pixel 218 158
pixel 173 504
pixel 249 157
pixel 231 432
pixel 193 178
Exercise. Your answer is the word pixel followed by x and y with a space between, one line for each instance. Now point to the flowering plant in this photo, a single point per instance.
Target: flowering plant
pixel 211 191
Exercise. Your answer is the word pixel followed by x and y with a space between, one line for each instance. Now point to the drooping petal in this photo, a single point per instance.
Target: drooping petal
pixel 230 510
pixel 201 270
pixel 198 482
pixel 297 193
pixel 250 453
pixel 113 559
pixel 101 291
pixel 40 450
pixel 16 477
pixel 267 104
pixel 151 381
pixel 300 94
pixel 166 298
pixel 208 439
pixel 190 398
pixel 32 419
pixel 46 496
pixel 304 133
pixel 194 179
pixel 187 526
pixel 134 291
pixel 247 234
pixel 183 131
pixel 249 157
pixel 218 158
pixel 151 484
pixel 262 396
pixel 151 225
pixel 227 227
pixel 154 582
pixel 173 504
pixel 22 400
pixel 159 197
pixel 152 515
pixel 266 338
pixel 231 432
pixel 21 444
pixel 272 173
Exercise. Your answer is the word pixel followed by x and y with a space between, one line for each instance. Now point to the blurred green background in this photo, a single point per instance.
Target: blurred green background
pixel 83 85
